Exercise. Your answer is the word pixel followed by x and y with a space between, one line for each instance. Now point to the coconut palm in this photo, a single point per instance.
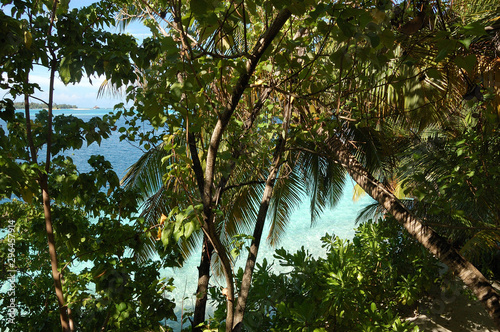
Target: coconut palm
pixel 456 83
pixel 373 103
pixel 413 118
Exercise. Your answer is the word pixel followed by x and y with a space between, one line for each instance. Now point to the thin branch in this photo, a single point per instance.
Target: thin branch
pixel 239 185
pixel 41 100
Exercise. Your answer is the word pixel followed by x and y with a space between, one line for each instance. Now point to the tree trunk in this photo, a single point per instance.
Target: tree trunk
pixel 252 254
pixel 214 237
pixel 203 280
pixel 259 224
pixel 63 314
pixel 213 148
pixel 66 321
pixel 436 244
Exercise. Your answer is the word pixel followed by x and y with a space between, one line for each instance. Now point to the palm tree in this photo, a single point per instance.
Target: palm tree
pixel 457 82
pixel 243 179
pixel 395 117
pixel 368 115
pixel 437 245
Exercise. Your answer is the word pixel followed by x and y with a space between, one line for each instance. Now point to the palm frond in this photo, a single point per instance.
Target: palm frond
pixel 146 174
pixel 373 211
pixel 324 182
pixel 107 89
pixel 242 201
pixel 483 242
pixel 475 10
pixel 287 195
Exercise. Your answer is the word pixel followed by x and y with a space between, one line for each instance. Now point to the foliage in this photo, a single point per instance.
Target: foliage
pixel 244 99
pixel 102 287
pixel 374 74
pixel 453 182
pixel 89 220
pixel 369 284
pixel 95 231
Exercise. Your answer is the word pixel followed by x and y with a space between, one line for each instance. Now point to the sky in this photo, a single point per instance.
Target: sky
pixel 83 94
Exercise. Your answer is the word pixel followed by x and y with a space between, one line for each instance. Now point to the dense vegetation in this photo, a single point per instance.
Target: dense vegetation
pixel 256 107
pixel 368 284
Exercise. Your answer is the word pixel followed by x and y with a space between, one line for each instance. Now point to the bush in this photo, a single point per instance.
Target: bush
pixel 366 284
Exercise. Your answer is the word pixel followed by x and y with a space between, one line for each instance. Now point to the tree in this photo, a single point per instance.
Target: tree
pixel 336 147
pixel 253 99
pixel 367 284
pixel 83 223
pixel 360 78
pixel 199 105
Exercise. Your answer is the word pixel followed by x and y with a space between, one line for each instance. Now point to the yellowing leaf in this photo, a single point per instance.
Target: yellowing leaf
pixel 377 15
pixel 28 39
pixel 357 193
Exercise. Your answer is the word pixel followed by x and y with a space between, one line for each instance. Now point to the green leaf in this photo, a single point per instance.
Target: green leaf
pixel 434 73
pixel 445 47
pixel 189 228
pixel 178 231
pixel 120 307
pixel 468 62
pixel 466 42
pixel 347 28
pixel 65 70
pixel 374 39
pixel 474 29
pixel 166 236
pixel 235 252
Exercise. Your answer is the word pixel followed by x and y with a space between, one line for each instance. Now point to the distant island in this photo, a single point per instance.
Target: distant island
pixel 20 105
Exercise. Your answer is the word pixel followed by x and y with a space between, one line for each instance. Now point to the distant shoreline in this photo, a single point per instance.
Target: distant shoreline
pixel 71 109
pixel 21 105
pixel 37 108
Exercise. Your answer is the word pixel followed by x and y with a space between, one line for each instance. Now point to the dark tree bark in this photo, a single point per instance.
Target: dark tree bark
pixel 201 291
pixel 254 249
pixel 432 241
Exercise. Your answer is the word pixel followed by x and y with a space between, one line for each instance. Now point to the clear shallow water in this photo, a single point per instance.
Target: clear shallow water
pixel 338 221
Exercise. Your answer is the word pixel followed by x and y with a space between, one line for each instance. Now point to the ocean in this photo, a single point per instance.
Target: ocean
pixel 299 233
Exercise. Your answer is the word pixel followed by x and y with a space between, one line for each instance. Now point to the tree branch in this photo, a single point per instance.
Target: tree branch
pixel 259 49
pixel 209 227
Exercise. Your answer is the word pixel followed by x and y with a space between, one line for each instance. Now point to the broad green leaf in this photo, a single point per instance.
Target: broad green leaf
pixel 445 47
pixel 65 70
pixel 468 62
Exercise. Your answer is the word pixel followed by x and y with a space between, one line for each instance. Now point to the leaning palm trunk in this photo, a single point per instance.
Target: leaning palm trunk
pixel 436 244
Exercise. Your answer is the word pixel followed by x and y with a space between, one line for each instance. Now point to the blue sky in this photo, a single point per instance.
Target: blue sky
pixel 83 94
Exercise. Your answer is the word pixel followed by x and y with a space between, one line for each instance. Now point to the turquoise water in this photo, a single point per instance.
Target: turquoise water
pixel 338 221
